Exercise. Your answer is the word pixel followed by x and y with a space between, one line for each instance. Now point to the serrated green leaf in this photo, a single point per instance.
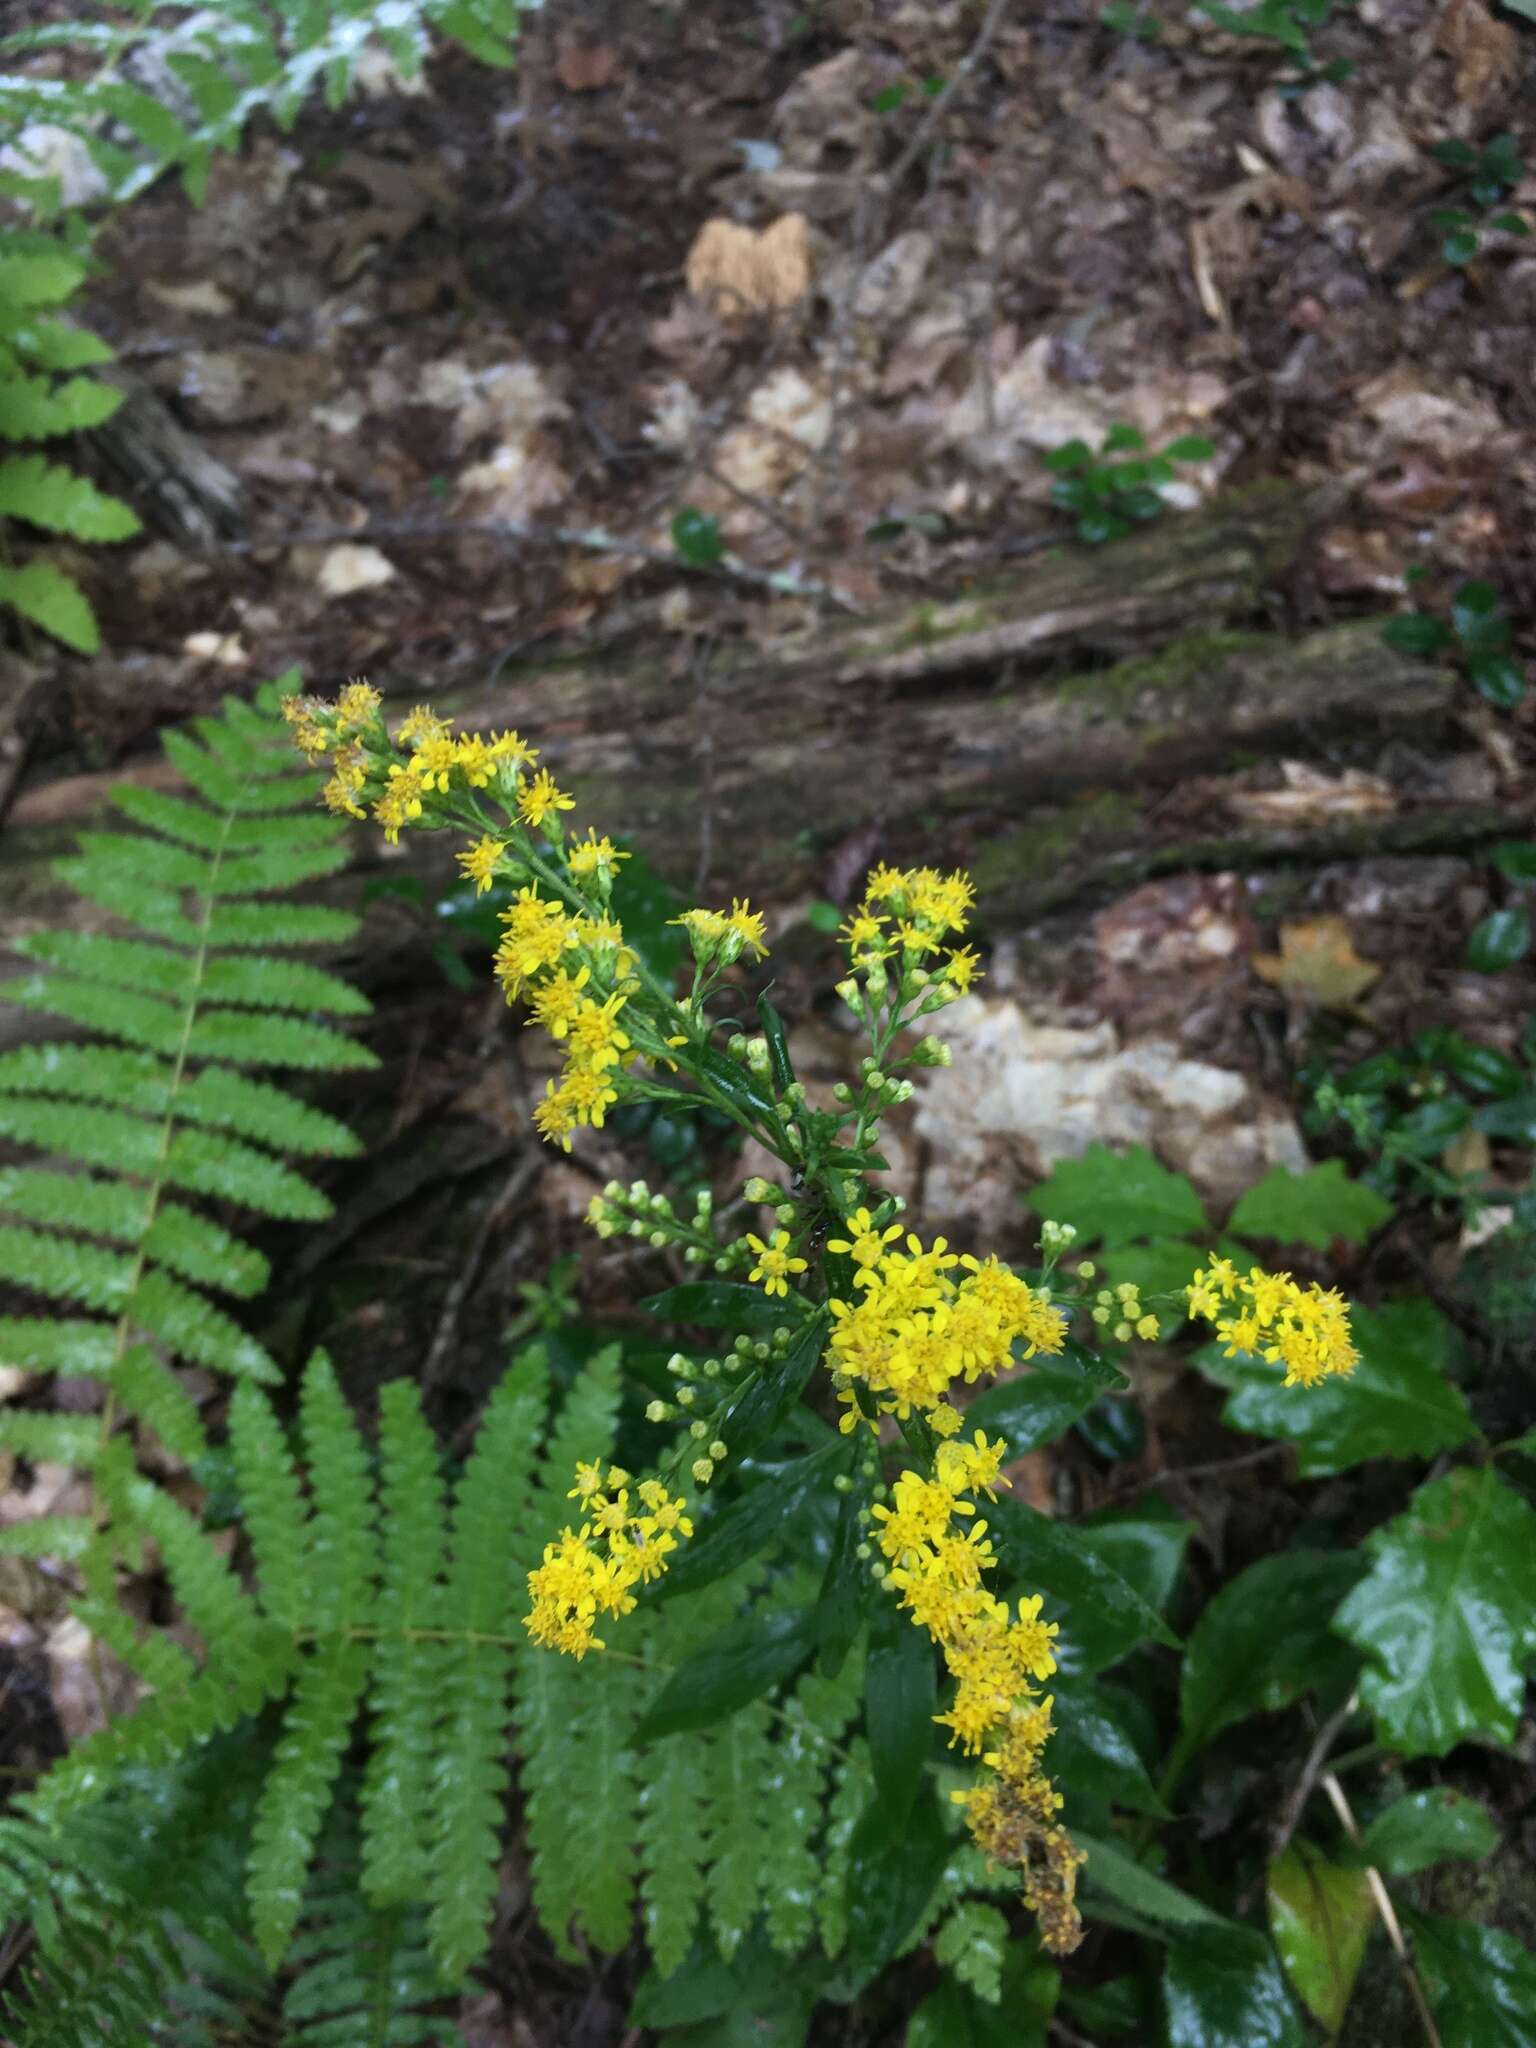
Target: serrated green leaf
pixel 1320 1918
pixel 971 1945
pixel 1115 1197
pixel 45 278
pixel 1432 1826
pixel 57 1344
pixel 1264 1640
pixel 1397 1403
pixel 1312 1208
pixel 147 1390
pixel 52 600
pixel 1445 1618
pixel 65 1269
pixel 195 1330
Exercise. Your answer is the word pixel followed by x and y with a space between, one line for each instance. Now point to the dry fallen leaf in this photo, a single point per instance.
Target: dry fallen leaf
pixel 1309 796
pixel 747 270
pixel 1317 960
pixel 1486 52
pixel 351 567
pixel 587 67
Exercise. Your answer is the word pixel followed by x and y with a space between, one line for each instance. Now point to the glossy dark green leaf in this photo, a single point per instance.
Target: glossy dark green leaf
pixel 1069 456
pixel 1312 1207
pixel 1397 1403
pixel 1514 1119
pixel 1502 939
pixel 845 1588
pixel 1447 1618
pixel 1101 1615
pixel 739 1664
pixel 1145 1544
pixel 1114 1429
pixel 1320 1917
pixel 696 537
pixel 1139 1898
pixel 1121 438
pixel 723 1305
pixel 1481 1982
pixel 736 1082
pixel 779 1064
pixel 1481 1067
pixel 1094 1757
pixel 750 1524
pixel 1427 1130
pixel 1436 1825
pixel 1460 245
pixel 953 2017
pixel 895 1858
pixel 1228 1996
pixel 1500 678
pixel 900 1700
pixel 1042 1403
pixel 1416 633
pixel 1263 1641
pixel 1480 626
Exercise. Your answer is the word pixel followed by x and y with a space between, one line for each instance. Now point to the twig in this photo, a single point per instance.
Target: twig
pixel 595 539
pixel 1302 1790
pixel 1388 1912
pixel 1213 1469
pixel 939 106
pixel 518 1182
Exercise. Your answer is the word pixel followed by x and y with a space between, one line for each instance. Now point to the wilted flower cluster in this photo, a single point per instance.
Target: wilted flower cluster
pixel 593 1570
pixel 1305 1329
pixel 923 1318
pixel 998 1661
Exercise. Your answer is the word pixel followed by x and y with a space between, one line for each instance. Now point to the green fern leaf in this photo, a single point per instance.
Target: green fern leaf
pixel 48 495
pixel 50 599
pixel 161 1026
pixel 55 1344
pixel 224 829
pixel 791 1798
pixel 37 409
pixel 735 1766
pixel 256 1109
pixel 193 1328
pixel 216 1604
pixel 408 1673
pixel 342 1557
pixel 74 1201
pixel 297 1794
pixel 972 1945
pixel 150 1393
pixel 163 1665
pixel 65 1269
pixel 852 1783
pixel 273 1509
pixel 58 1536
pixel 204 1251
pixel 242 925
pixel 219 1166
pixel 58 1439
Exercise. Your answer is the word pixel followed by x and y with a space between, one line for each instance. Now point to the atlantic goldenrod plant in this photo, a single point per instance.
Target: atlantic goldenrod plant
pixel 899 1325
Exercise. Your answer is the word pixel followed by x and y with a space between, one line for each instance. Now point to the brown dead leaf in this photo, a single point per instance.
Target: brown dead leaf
pixel 587 67
pixel 746 270
pixel 1486 52
pixel 1317 962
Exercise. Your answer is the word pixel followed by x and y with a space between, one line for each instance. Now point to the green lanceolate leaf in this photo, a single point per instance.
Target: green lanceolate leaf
pixel 739 1664
pixel 1436 1825
pixel 722 1305
pixel 1264 1640
pixel 1228 1994
pixel 751 1523
pixel 895 1857
pixel 1115 1197
pixel 1101 1615
pixel 769 1396
pixel 1397 1403
pixel 1310 1208
pixel 1042 1402
pixel 1320 1915
pixel 1445 1618
pixel 900 1698
pixel 1094 1757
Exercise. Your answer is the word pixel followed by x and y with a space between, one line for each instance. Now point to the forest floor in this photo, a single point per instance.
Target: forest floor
pixel 835 277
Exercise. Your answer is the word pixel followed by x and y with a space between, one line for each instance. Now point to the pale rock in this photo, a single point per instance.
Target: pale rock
pixel 352 567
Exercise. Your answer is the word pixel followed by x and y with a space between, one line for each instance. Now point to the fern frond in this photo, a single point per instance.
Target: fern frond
pixel 792 1796
pixel 408 1672
pixel 341 1557
pixel 274 1511
pixel 57 1344
pixel 853 1781
pixel 364 1974
pixel 149 1391
pixel 737 1761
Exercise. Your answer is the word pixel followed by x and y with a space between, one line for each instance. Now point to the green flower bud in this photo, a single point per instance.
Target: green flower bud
pixel 718 1451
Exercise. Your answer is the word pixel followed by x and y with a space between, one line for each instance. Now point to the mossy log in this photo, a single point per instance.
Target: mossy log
pixel 1033 728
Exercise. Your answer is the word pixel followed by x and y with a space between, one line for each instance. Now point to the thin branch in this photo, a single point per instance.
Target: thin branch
pixel 594 539
pixel 1302 1790
pixel 1388 1912
pixel 939 106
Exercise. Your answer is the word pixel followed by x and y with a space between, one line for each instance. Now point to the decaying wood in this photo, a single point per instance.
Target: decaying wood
pixel 173 481
pixel 1033 728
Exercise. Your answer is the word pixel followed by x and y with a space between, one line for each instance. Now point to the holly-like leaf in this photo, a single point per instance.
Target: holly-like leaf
pixel 1397 1403
pixel 1436 1825
pixel 1263 1641
pixel 1481 1983
pixel 1115 1197
pixel 1310 1208
pixel 1320 1915
pixel 1447 1617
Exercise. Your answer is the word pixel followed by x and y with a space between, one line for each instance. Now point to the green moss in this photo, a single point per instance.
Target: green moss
pixel 1187 668
pixel 1051 840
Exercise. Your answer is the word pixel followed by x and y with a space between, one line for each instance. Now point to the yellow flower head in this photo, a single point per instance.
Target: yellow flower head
pixel 356 706
pixel 775 1265
pixel 542 799
pixel 593 856
pixel 479 862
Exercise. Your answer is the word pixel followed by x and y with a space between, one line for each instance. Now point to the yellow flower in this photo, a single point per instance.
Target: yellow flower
pixel 479 862
pixel 420 725
pixel 400 802
pixel 1305 1329
pixel 593 856
pixel 747 924
pixel 541 799
pixel 864 1244
pixel 774 1262
pixel 596 1039
pixel 961 968
pixel 557 1000
pixel 356 706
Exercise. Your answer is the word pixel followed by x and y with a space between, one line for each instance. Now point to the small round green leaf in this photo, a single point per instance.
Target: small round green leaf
pixel 1415 633
pixel 696 537
pixel 1501 940
pixel 1499 678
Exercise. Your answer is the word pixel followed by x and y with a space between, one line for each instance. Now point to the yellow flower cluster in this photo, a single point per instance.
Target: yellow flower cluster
pixel 914 1328
pixel 1305 1329
pixel 997 1662
pixel 592 1571
pixel 912 911
pixel 728 933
